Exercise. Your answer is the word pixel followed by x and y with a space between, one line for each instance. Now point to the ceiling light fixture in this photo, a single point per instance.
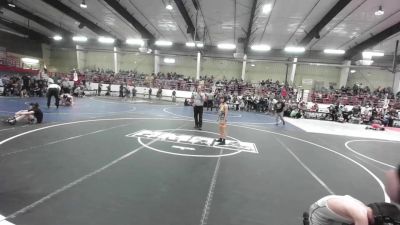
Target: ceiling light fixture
pixel 199 45
pixel 334 51
pixel 106 40
pixel 190 44
pixel 352 71
pixel 79 38
pixel 260 48
pixel 169 60
pixel 30 61
pixel 132 41
pixel 163 43
pixel 295 49
pixel 57 38
pixel 379 12
pixel 369 55
pixel 83 4
pixel 226 46
pixel 253 65
pixel 365 62
pixel 168 5
pixel 266 8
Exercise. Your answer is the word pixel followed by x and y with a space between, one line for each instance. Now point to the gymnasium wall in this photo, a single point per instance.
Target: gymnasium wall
pixel 185 65
pixel 20 45
pixel 263 71
pixel 136 62
pixel 322 76
pixel 325 74
pixel 62 60
pixel 220 68
pixel 104 60
pixel 371 78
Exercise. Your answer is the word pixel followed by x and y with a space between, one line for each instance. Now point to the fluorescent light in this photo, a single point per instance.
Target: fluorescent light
pixel 334 51
pixel 226 46
pixel 79 38
pixel 199 45
pixel 266 8
pixel 169 60
pixel 11 5
pixel 83 4
pixel 252 65
pixel 169 7
pixel 132 41
pixel 260 47
pixel 295 49
pixel 366 62
pixel 380 11
pixel 30 61
pixel 163 43
pixel 352 71
pixel 106 40
pixel 369 55
pixel 190 44
pixel 57 38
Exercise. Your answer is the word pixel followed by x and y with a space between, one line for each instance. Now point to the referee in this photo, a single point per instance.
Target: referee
pixel 198 104
pixel 53 90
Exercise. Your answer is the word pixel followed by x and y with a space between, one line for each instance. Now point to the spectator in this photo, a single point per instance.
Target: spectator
pixel 99 89
pixel 173 95
pixel 134 92
pixel 150 91
pixel 210 100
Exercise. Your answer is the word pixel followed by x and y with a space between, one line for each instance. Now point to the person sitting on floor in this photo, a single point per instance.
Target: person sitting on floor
pixel 336 209
pixel 32 115
pixel 67 100
pixel 376 125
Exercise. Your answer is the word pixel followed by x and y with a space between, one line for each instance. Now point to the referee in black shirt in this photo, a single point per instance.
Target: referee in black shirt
pixel 198 104
pixel 53 90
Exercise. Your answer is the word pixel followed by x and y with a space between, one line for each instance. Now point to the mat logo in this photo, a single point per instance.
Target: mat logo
pixel 186 139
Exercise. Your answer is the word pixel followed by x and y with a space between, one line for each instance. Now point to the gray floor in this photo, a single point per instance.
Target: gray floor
pixel 91 173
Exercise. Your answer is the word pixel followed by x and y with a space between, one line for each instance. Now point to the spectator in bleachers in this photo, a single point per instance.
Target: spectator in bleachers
pixel 99 89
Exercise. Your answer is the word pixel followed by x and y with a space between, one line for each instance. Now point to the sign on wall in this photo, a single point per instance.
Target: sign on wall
pixel 307 81
pixel 3 55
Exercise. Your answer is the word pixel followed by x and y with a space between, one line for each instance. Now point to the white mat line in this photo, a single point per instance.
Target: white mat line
pixel 4 222
pixel 210 195
pixel 74 183
pixel 306 168
pixel 362 155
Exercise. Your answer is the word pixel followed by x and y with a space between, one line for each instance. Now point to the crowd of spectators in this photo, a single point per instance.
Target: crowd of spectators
pixel 22 85
pixel 28 85
pixel 258 97
pixel 356 95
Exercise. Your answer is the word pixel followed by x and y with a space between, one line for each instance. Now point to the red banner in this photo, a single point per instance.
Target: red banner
pixel 17 70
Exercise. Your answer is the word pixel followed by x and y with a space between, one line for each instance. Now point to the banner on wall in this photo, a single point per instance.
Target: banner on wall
pixel 3 56
pixel 3 53
pixel 307 81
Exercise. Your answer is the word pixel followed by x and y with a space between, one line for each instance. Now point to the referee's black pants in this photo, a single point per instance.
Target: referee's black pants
pixel 53 92
pixel 198 116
